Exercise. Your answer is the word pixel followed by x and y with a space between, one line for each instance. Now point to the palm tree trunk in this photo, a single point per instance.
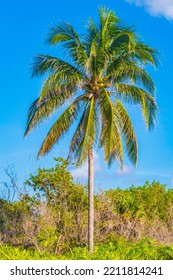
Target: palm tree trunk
pixel 90 199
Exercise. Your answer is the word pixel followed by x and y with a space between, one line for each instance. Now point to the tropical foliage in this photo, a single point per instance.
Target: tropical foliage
pixel 52 222
pixel 120 249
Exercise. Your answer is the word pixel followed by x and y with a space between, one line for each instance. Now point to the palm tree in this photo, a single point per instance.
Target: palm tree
pixel 104 67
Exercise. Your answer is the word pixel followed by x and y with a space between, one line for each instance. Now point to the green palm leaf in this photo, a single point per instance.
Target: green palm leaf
pixel 65 33
pixel 137 95
pixel 110 138
pixel 55 85
pixel 127 132
pixel 88 135
pixel 44 63
pixel 146 54
pixel 130 72
pixel 61 126
pixel 61 33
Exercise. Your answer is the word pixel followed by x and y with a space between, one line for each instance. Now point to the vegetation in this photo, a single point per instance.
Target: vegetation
pixel 146 249
pixel 105 66
pixel 134 223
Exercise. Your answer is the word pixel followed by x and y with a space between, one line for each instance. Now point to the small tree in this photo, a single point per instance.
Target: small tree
pixel 62 205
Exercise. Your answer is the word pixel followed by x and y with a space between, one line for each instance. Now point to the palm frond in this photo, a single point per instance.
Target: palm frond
pixel 62 32
pixel 130 73
pixel 120 42
pixel 107 19
pixel 65 33
pixel 78 136
pixel 56 85
pixel 145 54
pixel 61 126
pixel 52 96
pixel 136 95
pixel 127 132
pixel 88 135
pixel 45 63
pixel 110 137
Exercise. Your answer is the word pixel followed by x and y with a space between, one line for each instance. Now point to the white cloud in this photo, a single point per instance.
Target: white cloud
pixel 125 171
pixel 172 182
pixel 156 7
pixel 82 171
pixel 158 173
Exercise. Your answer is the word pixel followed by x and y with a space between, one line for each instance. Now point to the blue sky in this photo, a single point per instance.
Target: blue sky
pixel 23 29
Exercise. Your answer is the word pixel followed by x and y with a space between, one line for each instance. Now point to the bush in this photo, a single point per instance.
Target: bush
pixel 54 218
